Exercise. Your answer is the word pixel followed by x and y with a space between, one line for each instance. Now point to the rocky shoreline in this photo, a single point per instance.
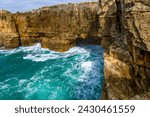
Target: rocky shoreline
pixel 56 27
pixel 122 27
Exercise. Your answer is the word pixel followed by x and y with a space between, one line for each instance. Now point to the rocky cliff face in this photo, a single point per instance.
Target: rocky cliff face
pixel 9 36
pixel 122 27
pixel 125 33
pixel 57 27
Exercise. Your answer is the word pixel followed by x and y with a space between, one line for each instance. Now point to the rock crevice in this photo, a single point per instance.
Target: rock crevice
pixel 57 27
pixel 122 27
pixel 129 46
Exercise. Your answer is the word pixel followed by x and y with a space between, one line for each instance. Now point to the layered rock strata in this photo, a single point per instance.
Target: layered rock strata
pixel 57 27
pixel 121 26
pixel 125 33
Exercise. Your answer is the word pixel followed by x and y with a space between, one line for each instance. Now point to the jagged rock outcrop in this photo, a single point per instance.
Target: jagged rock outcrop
pixel 121 26
pixel 9 36
pixel 57 27
pixel 125 33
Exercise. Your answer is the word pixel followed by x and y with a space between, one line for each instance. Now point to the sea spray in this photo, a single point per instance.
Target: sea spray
pixel 29 73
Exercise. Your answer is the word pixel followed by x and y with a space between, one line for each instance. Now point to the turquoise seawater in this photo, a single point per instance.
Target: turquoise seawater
pixel 29 73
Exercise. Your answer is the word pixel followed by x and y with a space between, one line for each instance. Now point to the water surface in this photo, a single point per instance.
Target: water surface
pixel 29 73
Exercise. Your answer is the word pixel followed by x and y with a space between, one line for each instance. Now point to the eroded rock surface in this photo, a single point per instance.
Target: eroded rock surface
pixel 58 27
pixel 125 33
pixel 121 26
pixel 9 36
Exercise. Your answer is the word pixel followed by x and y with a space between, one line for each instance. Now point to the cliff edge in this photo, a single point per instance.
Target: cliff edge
pixel 122 27
pixel 125 33
pixel 57 27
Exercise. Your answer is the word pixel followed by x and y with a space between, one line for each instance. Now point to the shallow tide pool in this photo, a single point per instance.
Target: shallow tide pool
pixel 29 73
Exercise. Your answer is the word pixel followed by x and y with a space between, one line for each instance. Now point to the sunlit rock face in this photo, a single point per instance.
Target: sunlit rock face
pixel 58 27
pixel 35 73
pixel 9 36
pixel 122 27
pixel 125 29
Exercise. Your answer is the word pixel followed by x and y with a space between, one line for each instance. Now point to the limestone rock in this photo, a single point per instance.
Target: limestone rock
pixel 9 36
pixel 125 33
pixel 116 68
pixel 121 26
pixel 1 40
pixel 56 27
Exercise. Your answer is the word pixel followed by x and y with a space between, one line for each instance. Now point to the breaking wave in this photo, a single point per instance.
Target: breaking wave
pixel 29 73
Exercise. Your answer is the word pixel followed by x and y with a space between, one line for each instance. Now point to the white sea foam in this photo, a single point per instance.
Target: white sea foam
pixel 4 86
pixel 77 66
pixel 77 50
pixel 22 82
pixel 85 69
pixel 87 66
pixel 37 54
pixel 40 57
pixel 35 48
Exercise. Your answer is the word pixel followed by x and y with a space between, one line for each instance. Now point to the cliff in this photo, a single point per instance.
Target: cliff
pixel 57 27
pixel 122 27
pixel 125 33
